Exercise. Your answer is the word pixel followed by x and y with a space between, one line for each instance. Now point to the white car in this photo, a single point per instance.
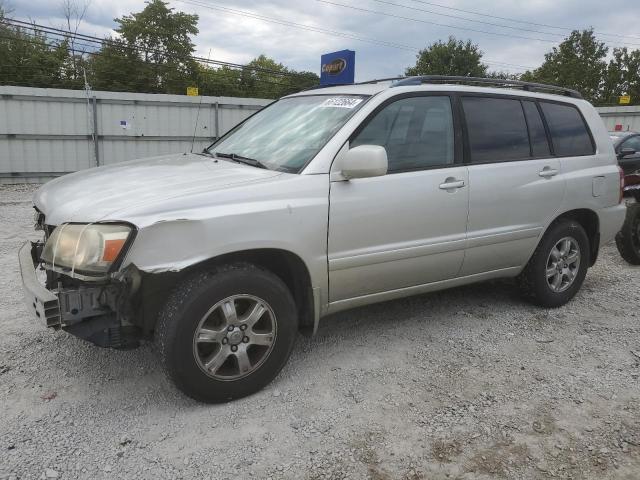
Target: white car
pixel 325 200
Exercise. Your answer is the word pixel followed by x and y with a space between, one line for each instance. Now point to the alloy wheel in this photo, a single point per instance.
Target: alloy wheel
pixel 563 264
pixel 234 337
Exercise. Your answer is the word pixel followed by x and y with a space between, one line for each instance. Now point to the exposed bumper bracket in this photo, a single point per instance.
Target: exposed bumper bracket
pixel 44 302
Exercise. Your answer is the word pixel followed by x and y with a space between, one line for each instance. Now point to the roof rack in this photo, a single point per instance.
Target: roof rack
pixel 379 80
pixel 497 82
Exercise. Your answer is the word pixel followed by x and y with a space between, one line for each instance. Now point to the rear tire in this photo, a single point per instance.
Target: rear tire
pixel 628 238
pixel 226 333
pixel 558 266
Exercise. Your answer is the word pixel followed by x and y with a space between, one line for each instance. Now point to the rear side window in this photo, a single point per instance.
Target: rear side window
pixel 569 133
pixel 496 129
pixel 537 134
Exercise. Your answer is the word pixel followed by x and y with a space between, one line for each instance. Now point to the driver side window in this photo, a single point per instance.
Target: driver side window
pixel 417 133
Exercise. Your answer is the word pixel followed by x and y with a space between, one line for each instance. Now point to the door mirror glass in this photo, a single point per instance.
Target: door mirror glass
pixel 364 161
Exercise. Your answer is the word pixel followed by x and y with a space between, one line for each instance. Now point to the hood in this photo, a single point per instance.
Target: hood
pixel 112 192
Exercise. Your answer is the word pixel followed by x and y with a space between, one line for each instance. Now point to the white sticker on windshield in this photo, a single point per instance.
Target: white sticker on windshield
pixel 341 102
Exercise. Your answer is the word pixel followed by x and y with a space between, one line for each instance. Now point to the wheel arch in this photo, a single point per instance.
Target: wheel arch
pixel 589 220
pixel 288 266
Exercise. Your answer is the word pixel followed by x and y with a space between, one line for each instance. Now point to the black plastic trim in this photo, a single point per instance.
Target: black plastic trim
pixel 498 82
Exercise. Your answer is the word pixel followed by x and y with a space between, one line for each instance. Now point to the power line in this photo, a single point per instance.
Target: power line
pixel 102 41
pixel 518 21
pixel 287 80
pixel 321 30
pixel 386 14
pixel 457 17
pixel 562 35
pixel 301 26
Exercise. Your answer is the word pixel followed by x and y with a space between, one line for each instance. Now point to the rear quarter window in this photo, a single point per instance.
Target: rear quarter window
pixel 569 133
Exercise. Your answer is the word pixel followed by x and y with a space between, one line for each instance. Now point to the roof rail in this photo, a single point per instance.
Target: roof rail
pixel 379 80
pixel 497 82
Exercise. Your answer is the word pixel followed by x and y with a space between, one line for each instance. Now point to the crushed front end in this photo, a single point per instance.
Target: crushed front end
pixel 89 300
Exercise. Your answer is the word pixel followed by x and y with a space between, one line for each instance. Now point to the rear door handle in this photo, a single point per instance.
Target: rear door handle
pixel 548 172
pixel 451 183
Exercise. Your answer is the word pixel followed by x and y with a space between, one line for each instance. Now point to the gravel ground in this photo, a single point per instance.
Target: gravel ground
pixel 470 383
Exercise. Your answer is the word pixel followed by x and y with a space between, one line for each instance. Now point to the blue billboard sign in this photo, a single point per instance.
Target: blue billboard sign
pixel 338 67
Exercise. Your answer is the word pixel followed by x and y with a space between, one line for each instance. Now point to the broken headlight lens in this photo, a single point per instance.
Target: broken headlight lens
pixel 90 249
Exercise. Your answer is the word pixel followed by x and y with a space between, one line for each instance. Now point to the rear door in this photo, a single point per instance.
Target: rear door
pixel 515 184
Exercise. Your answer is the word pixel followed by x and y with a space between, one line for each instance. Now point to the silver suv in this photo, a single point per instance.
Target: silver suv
pixel 324 200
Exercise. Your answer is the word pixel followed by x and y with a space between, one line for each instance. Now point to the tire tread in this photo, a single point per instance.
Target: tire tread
pixel 170 315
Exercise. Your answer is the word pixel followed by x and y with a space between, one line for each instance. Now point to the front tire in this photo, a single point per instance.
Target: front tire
pixel 226 333
pixel 628 238
pixel 558 266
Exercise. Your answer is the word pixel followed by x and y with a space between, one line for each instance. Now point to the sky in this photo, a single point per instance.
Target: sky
pixel 386 34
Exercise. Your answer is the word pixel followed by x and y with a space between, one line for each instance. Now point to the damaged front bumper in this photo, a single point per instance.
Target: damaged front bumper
pixel 91 311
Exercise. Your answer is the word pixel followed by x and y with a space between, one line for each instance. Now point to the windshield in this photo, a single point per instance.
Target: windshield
pixel 288 133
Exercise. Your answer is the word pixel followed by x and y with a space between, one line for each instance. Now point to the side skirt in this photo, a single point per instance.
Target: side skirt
pixel 418 289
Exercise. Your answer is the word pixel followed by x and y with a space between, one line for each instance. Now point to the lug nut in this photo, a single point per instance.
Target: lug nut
pixel 225 340
pixel 243 327
pixel 245 339
pixel 230 328
pixel 234 348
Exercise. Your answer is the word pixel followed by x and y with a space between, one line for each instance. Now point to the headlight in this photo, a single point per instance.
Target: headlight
pixel 87 249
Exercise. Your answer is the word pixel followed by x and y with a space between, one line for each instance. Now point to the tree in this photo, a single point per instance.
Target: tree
pixel 153 53
pixel 222 81
pixel 156 43
pixel 263 77
pixel 453 57
pixel 28 58
pixel 503 75
pixel 578 63
pixel 74 69
pixel 622 76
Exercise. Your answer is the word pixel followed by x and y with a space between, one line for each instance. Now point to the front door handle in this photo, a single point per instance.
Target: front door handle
pixel 548 172
pixel 451 183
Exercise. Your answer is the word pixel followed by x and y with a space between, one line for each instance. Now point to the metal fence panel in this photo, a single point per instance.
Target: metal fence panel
pixel 49 132
pixel 628 117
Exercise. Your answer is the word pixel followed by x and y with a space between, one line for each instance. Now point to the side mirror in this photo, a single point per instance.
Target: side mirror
pixel 626 151
pixel 364 161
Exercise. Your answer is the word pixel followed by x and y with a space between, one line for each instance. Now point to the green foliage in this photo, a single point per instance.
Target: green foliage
pixel 153 54
pixel 622 77
pixel 263 78
pixel 503 75
pixel 30 59
pixel 154 51
pixel 578 63
pixel 453 57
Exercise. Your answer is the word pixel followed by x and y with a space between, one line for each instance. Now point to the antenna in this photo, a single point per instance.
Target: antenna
pixel 195 128
pixel 92 117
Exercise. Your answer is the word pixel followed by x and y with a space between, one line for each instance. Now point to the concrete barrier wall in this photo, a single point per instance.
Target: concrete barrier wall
pixel 627 117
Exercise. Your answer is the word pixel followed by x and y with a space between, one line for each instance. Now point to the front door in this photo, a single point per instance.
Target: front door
pixel 407 227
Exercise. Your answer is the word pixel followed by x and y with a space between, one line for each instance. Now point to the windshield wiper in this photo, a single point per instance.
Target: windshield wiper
pixel 240 159
pixel 205 152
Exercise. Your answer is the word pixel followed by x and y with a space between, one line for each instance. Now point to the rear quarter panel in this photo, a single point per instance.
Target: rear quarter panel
pixel 593 181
